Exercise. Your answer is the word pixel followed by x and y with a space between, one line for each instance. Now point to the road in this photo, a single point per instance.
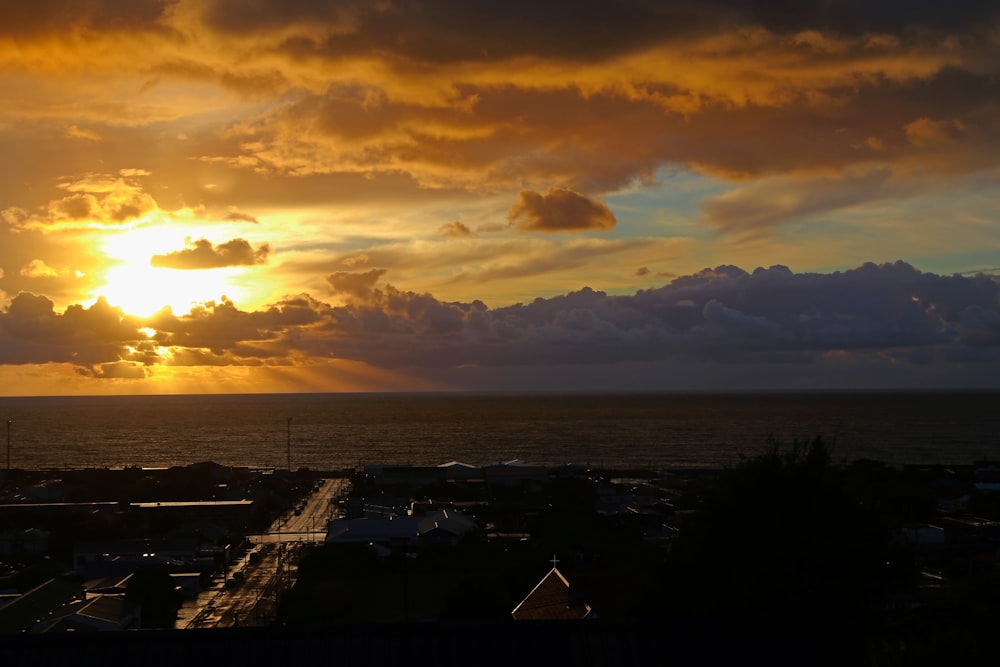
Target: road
pixel 310 524
pixel 249 593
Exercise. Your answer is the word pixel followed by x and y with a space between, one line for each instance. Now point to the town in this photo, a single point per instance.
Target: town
pixel 903 559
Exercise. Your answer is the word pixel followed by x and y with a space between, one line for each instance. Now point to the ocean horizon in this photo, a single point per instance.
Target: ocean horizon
pixel 329 431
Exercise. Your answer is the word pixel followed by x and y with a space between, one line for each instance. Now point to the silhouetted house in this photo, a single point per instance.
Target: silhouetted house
pixel 517 474
pixel 444 527
pixel 48 491
pixel 441 527
pixel 456 471
pixel 405 477
pixel 232 513
pixel 551 599
pixel 394 531
pixel 32 541
pixel 103 612
pixel 38 604
pixel 101 558
pixel 112 585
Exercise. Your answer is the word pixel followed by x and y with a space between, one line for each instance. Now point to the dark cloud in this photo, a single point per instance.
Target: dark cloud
pixel 559 211
pixel 452 30
pixel 718 316
pixel 202 255
pixel 355 284
pixel 61 16
pixel 223 328
pixel 823 324
pixel 32 332
pixel 859 17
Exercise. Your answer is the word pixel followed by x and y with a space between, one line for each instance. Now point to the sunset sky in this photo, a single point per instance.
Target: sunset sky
pixel 295 195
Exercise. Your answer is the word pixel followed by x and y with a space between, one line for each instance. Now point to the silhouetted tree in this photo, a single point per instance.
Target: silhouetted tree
pixel 780 535
pixel 154 590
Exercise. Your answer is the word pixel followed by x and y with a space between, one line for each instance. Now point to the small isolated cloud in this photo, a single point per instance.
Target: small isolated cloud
pixel 925 132
pixel 559 211
pixel 236 216
pixel 77 132
pixel 202 255
pixel 455 229
pixel 36 268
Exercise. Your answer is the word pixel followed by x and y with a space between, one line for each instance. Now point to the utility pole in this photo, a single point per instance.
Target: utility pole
pixel 289 447
pixel 9 422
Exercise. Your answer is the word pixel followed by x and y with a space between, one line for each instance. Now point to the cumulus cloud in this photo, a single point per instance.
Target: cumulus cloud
pixel 32 332
pixel 36 268
pixel 355 284
pixel 203 255
pixel 559 211
pixel 96 199
pixel 720 317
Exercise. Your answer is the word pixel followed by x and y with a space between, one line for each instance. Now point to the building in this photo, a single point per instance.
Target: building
pixel 551 599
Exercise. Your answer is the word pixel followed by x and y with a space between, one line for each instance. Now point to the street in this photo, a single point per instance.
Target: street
pixel 249 593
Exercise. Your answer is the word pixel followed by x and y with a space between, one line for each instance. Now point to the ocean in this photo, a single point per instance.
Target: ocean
pixel 335 431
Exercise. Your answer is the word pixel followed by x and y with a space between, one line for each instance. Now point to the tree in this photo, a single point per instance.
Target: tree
pixel 153 589
pixel 779 534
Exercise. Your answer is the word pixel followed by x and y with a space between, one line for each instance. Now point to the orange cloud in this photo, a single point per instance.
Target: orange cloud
pixel 202 255
pixel 559 211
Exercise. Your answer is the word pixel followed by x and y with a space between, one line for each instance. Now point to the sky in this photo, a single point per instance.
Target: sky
pixel 202 196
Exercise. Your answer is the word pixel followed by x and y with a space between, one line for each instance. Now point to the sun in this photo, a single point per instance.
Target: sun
pixel 140 289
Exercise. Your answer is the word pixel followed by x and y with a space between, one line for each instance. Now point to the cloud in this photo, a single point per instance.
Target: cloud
pixel 117 370
pixel 559 211
pixel 355 284
pixel 36 268
pixel 767 203
pixel 95 199
pixel 403 98
pixel 720 316
pixel 202 255
pixel 723 317
pixel 236 216
pixel 455 229
pixel 32 332
pixel 926 132
pixel 80 133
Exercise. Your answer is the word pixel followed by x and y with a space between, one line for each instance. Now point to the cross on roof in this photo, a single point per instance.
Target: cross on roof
pixel 554 561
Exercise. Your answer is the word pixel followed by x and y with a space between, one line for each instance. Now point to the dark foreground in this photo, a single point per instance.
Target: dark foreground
pixel 779 641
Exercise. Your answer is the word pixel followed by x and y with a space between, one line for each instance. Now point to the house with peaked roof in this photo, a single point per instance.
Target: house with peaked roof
pixel 37 604
pixel 551 599
pixel 103 612
pixel 444 527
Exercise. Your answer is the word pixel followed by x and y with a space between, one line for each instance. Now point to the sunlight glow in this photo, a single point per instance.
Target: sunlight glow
pixel 141 289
